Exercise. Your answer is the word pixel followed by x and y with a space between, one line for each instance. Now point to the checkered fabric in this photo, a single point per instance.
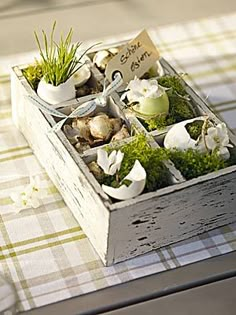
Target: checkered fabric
pixel 43 251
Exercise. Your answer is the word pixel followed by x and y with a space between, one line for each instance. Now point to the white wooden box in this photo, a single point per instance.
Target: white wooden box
pixel 125 229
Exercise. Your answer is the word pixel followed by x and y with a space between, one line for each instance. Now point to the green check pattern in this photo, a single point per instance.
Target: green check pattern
pixel 43 251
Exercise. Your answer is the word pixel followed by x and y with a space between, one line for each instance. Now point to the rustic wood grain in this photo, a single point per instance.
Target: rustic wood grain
pixel 119 231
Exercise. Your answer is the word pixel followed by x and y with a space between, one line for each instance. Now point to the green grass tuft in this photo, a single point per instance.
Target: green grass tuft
pixel 59 61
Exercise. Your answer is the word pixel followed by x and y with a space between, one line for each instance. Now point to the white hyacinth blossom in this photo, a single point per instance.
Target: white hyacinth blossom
pixel 217 139
pixel 31 196
pixel 141 89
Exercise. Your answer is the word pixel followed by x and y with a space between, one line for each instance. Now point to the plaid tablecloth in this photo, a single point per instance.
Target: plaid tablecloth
pixel 43 251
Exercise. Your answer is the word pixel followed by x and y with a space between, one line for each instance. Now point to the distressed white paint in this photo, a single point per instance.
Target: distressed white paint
pixel 125 229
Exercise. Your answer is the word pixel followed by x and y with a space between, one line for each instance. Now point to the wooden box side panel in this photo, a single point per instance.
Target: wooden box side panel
pixel 85 204
pixel 173 217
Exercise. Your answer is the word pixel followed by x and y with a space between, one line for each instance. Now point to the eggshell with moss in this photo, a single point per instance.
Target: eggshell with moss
pixel 179 138
pixel 137 176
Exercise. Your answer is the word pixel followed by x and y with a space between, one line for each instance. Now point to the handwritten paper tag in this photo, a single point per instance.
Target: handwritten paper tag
pixel 136 58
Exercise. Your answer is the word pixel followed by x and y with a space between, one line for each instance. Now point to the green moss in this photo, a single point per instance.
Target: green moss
pixel 180 109
pixel 173 82
pixel 151 159
pixel 191 163
pixel 33 74
pixel 159 122
pixel 195 128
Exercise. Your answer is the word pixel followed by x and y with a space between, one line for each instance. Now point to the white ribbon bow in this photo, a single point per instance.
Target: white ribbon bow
pixel 83 109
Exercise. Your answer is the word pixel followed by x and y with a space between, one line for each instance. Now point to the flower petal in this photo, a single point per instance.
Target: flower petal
pixel 102 160
pixel 222 131
pixel 210 142
pixel 112 157
pixel 141 88
pixel 224 142
pixel 117 163
pixel 42 193
pixel 35 202
pixel 16 197
pixel 212 132
pixel 224 153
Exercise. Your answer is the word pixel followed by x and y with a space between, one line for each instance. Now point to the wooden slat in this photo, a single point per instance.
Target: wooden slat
pixel 161 284
pixel 217 298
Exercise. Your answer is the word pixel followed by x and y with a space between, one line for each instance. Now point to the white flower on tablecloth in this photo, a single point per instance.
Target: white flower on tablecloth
pixel 141 89
pixel 31 196
pixel 110 164
pixel 217 139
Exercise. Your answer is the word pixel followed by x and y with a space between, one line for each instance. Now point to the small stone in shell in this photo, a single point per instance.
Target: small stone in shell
pixel 121 134
pixel 82 146
pixel 116 124
pixel 72 134
pixel 96 170
pixel 83 125
pixel 101 127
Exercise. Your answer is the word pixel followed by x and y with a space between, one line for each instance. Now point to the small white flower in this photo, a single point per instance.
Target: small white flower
pixel 32 195
pixel 110 164
pixel 217 139
pixel 141 89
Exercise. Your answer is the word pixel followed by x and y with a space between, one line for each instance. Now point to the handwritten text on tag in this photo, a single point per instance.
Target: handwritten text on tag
pixel 134 59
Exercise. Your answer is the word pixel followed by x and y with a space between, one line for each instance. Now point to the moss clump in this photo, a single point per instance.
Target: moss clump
pixel 195 128
pixel 159 122
pixel 192 163
pixel 33 74
pixel 179 110
pixel 173 82
pixel 151 159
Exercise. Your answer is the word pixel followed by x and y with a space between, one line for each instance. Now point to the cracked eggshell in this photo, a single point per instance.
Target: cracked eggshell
pixel 82 75
pixel 137 176
pixel 56 94
pixel 102 57
pixel 178 137
pixel 121 134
